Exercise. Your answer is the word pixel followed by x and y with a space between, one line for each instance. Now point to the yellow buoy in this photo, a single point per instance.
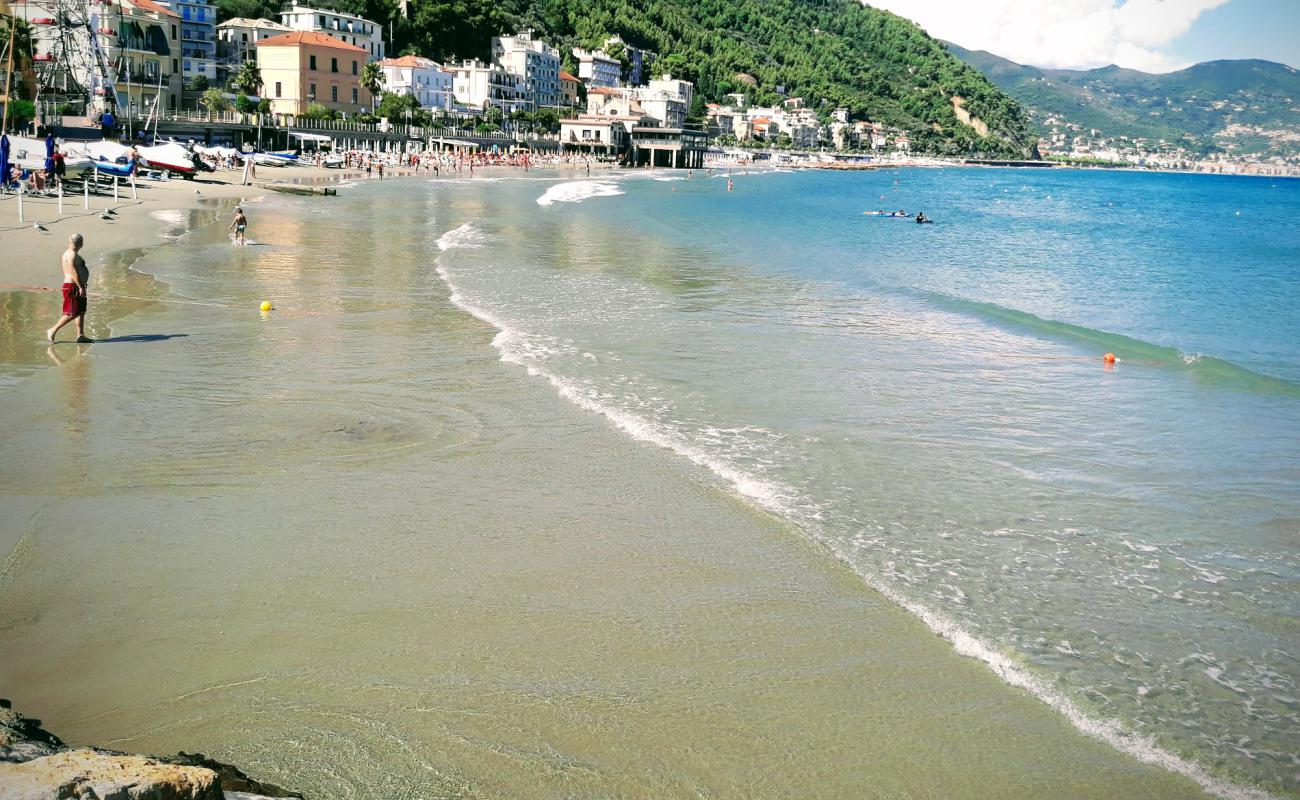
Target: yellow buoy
pixel 266 305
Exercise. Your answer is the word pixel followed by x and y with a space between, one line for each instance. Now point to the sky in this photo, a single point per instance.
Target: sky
pixel 1150 35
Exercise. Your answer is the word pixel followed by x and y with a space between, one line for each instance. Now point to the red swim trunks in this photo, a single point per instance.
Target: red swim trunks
pixel 74 302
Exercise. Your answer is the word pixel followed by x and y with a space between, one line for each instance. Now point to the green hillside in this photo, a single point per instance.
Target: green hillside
pixel 1248 107
pixel 830 52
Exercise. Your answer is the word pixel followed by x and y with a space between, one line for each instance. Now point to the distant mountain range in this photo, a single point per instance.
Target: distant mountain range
pixel 1249 107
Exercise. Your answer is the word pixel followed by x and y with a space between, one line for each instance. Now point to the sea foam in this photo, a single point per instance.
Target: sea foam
pixel 577 191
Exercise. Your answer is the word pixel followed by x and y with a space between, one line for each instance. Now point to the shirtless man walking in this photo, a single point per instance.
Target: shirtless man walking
pixel 75 277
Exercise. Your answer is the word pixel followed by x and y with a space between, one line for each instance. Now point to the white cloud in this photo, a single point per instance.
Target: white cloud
pixel 1076 34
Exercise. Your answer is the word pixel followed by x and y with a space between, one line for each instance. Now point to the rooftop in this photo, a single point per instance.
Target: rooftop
pixel 419 62
pixel 300 38
pixel 245 22
pixel 150 5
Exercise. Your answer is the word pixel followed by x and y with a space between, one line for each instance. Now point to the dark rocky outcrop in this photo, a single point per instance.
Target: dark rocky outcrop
pixel 36 765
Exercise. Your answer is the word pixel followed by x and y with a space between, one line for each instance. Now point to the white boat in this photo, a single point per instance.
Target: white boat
pixel 333 162
pixel 271 160
pixel 168 158
pixel 29 153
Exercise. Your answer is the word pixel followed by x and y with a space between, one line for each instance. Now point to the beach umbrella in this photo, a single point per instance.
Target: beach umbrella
pixel 4 158
pixel 49 145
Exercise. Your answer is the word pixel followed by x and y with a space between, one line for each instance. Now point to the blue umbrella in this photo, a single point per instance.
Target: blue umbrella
pixel 49 145
pixel 4 159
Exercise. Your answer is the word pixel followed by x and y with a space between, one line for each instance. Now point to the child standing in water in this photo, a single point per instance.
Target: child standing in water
pixel 239 225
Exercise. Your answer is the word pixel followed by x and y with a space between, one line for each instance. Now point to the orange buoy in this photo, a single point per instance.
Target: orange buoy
pixel 1109 358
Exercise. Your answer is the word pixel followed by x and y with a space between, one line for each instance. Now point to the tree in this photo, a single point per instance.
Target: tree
pixel 494 116
pixel 244 104
pixel 372 77
pixel 547 120
pixel 197 84
pixel 484 128
pixel 248 78
pixel 214 100
pixel 264 107
pixel 318 111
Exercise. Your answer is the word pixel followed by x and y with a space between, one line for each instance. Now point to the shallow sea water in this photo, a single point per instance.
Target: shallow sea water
pixel 588 497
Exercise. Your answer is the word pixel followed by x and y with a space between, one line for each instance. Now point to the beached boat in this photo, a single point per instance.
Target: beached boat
pixel 275 159
pixel 29 153
pixel 168 158
pixel 333 162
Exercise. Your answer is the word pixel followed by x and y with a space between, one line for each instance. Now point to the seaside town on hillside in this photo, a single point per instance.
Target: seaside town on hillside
pixel 320 78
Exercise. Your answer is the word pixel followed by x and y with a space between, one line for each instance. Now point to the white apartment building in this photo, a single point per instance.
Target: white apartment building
pixel 666 100
pixel 484 86
pixel 536 62
pixel 597 69
pixel 423 78
pixel 237 42
pixel 347 28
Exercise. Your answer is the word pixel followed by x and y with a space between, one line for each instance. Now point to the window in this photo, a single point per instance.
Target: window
pixel 311 62
pixel 173 31
pixel 334 65
pixel 311 91
pixel 354 95
pixel 322 20
pixel 176 65
pixel 245 36
pixel 277 89
pixel 354 67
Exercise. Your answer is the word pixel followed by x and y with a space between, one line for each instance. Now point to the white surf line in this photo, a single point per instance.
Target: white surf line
pixel 577 191
pixel 769 496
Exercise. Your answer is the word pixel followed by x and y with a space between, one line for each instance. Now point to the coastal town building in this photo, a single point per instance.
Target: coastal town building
pixel 568 90
pixel 678 148
pixel 145 52
pixel 482 86
pixel 535 62
pixel 608 135
pixel 424 79
pixel 237 42
pixel 303 67
pixel 347 28
pixel 665 100
pixel 198 35
pixel 597 69
pixel 640 61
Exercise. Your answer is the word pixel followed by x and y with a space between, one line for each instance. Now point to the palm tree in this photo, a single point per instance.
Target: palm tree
pixel 372 77
pixel 248 79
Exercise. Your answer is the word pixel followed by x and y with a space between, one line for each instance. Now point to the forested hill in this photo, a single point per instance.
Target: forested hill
pixel 1245 107
pixel 829 52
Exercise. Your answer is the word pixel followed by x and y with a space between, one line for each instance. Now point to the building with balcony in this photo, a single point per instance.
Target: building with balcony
pixel 536 62
pixel 198 38
pixel 304 67
pixel 484 86
pixel 347 28
pixel 237 42
pixel 422 78
pixel 597 69
pixel 594 135
pixel 145 52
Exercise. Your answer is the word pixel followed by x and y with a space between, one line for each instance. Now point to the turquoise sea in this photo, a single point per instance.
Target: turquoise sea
pixel 536 485
pixel 929 404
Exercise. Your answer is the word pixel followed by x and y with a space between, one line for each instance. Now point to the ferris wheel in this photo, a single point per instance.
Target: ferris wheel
pixel 71 58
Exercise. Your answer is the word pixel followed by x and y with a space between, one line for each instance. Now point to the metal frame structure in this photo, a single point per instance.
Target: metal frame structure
pixel 70 60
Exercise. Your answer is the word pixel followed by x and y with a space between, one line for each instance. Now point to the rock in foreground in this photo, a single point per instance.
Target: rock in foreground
pixel 86 774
